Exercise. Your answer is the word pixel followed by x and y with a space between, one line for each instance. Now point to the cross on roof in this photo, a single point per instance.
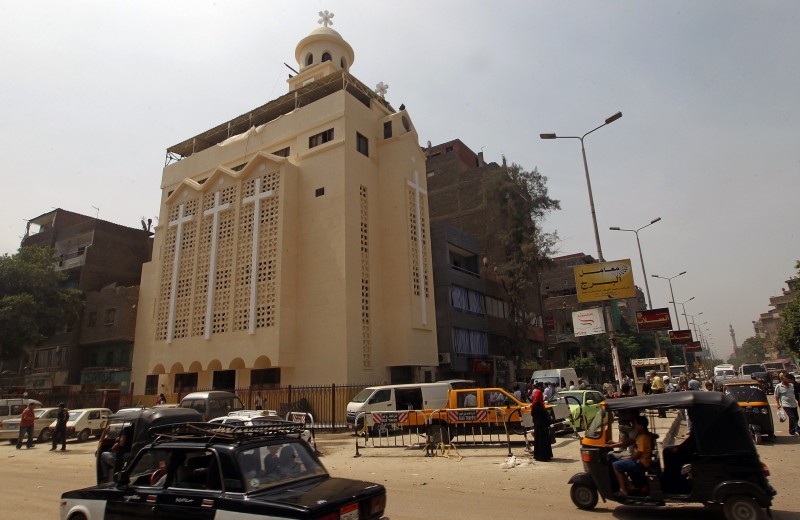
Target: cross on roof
pixel 325 18
pixel 381 88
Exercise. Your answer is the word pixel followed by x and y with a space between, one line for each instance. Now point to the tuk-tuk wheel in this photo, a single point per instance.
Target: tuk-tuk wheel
pixel 742 507
pixel 583 496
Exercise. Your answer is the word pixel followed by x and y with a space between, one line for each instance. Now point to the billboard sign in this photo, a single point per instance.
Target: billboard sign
pixel 588 322
pixel 654 319
pixel 694 346
pixel 604 281
pixel 680 337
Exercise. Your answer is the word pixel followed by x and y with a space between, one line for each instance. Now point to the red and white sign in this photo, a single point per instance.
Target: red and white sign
pixel 588 322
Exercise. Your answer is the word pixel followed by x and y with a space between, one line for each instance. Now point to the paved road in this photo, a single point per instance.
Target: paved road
pixel 474 487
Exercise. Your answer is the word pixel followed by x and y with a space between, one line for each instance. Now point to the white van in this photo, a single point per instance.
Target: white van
pixel 413 396
pixel 560 376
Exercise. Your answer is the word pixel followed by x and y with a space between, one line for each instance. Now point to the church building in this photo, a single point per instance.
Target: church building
pixel 293 244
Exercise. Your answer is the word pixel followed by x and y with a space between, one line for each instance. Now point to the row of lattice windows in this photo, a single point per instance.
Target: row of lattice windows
pixel 232 277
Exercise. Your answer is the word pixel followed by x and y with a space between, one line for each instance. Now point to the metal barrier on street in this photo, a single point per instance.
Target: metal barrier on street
pixel 307 420
pixel 471 426
pixel 391 429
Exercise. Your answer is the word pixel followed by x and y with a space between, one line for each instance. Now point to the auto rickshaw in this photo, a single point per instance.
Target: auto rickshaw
pixel 718 466
pixel 137 424
pixel 752 398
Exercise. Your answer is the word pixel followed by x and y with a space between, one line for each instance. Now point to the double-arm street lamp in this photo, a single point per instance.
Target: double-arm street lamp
pixel 675 307
pixel 669 279
pixel 683 305
pixel 641 258
pixel 606 308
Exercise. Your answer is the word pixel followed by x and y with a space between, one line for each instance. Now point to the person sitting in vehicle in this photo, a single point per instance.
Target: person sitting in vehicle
pixel 630 469
pixel 470 400
pixel 114 459
pixel 675 457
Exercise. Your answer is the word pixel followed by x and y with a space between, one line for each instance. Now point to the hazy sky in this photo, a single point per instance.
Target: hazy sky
pixel 92 93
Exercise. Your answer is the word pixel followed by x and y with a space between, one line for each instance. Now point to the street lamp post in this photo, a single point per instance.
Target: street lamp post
pixel 641 258
pixel 683 305
pixel 606 308
pixel 675 307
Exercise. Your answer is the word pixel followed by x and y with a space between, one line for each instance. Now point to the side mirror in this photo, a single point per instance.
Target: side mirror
pixel 589 402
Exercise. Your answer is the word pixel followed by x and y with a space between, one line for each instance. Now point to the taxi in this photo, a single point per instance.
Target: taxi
pixel 202 471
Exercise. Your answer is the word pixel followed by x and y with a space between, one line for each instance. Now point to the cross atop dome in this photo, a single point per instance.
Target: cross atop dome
pixel 325 18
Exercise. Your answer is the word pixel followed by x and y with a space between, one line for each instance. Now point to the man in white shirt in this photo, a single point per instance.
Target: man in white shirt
pixel 548 391
pixel 784 395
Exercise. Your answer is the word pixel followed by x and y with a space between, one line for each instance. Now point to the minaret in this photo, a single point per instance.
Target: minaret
pixel 733 338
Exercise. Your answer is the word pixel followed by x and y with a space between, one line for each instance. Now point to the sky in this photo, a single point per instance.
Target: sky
pixel 92 93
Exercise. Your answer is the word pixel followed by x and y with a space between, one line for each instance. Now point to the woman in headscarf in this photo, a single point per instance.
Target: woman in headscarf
pixel 542 451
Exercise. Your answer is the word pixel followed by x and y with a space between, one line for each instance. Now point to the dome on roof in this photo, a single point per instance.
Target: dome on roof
pixel 324 44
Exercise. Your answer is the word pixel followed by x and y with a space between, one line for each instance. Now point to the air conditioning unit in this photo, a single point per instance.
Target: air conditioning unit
pixel 444 358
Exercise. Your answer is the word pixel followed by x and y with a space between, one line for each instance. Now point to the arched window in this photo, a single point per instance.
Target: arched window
pixel 309 59
pixel 326 56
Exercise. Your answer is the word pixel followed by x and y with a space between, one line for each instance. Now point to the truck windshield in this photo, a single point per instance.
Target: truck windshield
pixel 362 396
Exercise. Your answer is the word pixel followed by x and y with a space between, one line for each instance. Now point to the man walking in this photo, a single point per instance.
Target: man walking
pixel 26 421
pixel 61 427
pixel 784 395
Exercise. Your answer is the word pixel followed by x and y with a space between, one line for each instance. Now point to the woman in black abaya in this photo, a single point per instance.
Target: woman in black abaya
pixel 542 451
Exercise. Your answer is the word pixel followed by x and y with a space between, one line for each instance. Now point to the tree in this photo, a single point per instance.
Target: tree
pixel 752 351
pixel 789 333
pixel 33 303
pixel 521 202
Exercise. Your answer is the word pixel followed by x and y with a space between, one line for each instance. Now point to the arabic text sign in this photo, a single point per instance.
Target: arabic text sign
pixel 680 337
pixel 654 319
pixel 694 346
pixel 604 281
pixel 588 322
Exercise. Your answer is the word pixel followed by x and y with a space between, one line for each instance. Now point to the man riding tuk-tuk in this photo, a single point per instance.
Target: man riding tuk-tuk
pixel 718 466
pixel 752 399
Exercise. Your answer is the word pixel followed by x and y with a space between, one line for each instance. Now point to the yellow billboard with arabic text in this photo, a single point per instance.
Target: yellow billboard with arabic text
pixel 604 281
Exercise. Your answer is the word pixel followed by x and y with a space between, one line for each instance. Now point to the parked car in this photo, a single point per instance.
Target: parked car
pixel 11 408
pixel 212 404
pixel 9 429
pixel 583 406
pixel 203 470
pixel 84 423
pixel 261 418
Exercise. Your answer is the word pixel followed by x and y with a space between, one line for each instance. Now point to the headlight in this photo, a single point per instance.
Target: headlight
pixel 764 411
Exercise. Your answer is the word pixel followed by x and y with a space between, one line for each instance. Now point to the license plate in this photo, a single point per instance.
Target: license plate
pixel 349 512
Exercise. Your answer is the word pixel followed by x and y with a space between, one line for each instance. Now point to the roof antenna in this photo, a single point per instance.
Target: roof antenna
pixel 288 67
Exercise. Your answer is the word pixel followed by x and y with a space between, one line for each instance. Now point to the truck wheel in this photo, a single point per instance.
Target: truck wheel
pixel 513 426
pixel 742 507
pixel 583 496
pixel 83 436
pixel 45 435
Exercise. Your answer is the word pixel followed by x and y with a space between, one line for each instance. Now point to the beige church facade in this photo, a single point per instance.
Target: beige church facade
pixel 293 243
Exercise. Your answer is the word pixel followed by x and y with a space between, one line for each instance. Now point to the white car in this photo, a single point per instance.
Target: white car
pixel 259 418
pixel 9 429
pixel 85 422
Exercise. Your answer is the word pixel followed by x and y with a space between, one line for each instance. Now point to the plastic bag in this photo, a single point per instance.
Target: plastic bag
pixel 781 415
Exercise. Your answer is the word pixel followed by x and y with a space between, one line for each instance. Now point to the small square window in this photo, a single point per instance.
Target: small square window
pixel 362 144
pixel 448 149
pixel 319 192
pixel 111 314
pixel 387 129
pixel 283 152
